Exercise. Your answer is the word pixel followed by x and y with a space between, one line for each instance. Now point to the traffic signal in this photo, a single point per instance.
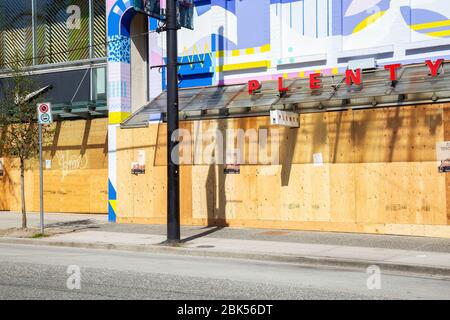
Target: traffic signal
pixel 153 8
pixel 186 14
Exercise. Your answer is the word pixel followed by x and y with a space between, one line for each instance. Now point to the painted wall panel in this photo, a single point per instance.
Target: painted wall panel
pixel 237 40
pixel 428 18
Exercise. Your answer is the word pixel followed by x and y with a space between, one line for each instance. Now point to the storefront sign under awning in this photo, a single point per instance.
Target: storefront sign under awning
pixel 414 85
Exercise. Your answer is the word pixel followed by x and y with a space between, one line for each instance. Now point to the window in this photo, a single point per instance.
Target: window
pixel 16 36
pixel 61 34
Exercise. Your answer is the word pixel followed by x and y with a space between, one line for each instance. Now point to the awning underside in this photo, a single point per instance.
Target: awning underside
pixel 414 86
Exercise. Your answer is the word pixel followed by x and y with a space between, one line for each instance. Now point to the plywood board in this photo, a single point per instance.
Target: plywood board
pixel 5 187
pixel 378 169
pixel 446 124
pixel 78 178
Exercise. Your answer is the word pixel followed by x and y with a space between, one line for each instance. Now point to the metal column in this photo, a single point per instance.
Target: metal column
pixel 173 170
pixel 41 182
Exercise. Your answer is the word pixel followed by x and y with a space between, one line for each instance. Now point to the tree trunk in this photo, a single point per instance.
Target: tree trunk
pixel 22 187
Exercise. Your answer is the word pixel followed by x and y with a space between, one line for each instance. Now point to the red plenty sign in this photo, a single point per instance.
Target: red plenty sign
pixel 352 77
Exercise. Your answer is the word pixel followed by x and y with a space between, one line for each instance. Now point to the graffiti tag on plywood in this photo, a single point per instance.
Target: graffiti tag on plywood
pixel 70 163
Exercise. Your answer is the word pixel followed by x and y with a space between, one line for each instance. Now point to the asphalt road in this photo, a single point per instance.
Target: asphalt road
pixel 34 272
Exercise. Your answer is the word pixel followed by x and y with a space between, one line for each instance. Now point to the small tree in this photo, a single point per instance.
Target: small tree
pixel 18 123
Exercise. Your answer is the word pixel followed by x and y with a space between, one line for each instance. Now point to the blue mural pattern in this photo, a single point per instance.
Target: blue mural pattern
pixel 119 49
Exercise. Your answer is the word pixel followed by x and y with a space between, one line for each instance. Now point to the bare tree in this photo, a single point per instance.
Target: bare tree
pixel 18 123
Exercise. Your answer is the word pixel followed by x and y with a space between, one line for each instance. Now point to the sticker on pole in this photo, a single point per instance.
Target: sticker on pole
pixel 44 113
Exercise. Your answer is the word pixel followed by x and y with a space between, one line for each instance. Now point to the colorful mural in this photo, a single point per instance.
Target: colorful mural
pixel 234 40
pixel 237 40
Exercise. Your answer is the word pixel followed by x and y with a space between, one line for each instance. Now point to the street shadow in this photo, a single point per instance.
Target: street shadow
pixel 202 234
pixel 337 137
pixel 394 123
pixel 68 224
pixel 287 154
pixel 55 141
pixel 216 201
pixel 87 131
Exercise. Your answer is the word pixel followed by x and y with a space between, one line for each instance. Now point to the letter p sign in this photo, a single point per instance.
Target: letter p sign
pixel 253 86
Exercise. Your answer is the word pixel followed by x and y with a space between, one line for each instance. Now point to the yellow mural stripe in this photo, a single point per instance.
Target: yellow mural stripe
pixel 247 51
pixel 265 48
pixel 235 53
pixel 118 117
pixel 443 33
pixel 335 70
pixel 368 21
pixel 250 51
pixel 431 25
pixel 243 66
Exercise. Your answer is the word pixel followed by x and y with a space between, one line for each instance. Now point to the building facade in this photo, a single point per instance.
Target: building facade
pixel 355 169
pixel 364 158
pixel 58 40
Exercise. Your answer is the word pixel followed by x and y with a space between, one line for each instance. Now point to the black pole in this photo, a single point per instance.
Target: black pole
pixel 173 170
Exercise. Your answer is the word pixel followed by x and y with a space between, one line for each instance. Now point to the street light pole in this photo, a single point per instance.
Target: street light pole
pixel 173 170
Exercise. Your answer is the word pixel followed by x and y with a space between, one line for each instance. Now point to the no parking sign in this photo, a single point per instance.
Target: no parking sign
pixel 45 113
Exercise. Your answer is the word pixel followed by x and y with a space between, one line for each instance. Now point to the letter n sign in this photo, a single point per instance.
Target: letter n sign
pixel 44 113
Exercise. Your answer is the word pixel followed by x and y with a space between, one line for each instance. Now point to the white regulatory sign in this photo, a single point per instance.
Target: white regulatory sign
pixel 44 113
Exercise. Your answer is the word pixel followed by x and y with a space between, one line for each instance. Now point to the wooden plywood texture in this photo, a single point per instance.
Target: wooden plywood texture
pixel 446 122
pixel 377 173
pixel 4 186
pixel 140 194
pixel 77 180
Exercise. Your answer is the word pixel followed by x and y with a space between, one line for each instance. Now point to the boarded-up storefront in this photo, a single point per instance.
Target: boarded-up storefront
pixel 371 170
pixel 75 171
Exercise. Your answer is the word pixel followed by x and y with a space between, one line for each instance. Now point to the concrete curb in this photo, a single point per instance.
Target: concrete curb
pixel 300 260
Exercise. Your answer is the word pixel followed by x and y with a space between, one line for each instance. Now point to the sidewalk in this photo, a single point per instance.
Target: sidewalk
pixel 14 219
pixel 429 256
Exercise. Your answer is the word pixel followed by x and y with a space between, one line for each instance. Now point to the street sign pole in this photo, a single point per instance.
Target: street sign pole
pixel 41 181
pixel 44 115
pixel 173 170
